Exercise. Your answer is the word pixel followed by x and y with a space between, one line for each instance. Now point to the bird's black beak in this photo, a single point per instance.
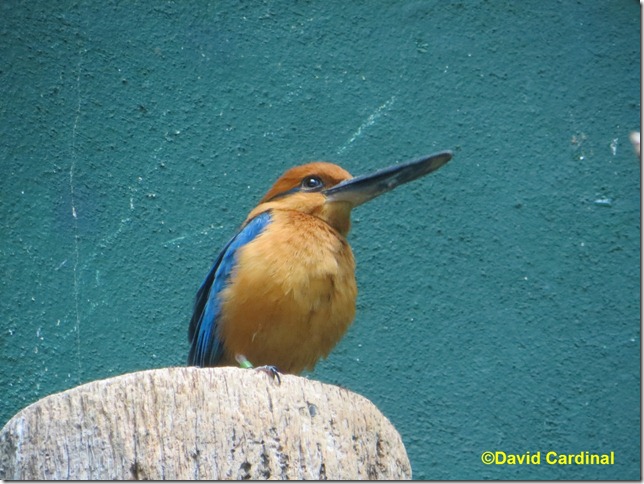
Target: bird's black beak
pixel 361 189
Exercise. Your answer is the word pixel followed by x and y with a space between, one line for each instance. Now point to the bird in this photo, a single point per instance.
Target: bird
pixel 282 292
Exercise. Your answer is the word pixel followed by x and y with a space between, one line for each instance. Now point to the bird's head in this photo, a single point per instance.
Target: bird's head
pixel 329 192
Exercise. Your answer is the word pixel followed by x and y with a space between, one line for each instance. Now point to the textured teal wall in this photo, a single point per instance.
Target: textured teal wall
pixel 499 304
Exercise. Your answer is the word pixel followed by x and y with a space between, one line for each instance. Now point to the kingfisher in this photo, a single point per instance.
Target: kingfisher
pixel 282 291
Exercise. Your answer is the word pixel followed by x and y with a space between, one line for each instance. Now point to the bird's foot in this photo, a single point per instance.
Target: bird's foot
pixel 268 369
pixel 271 371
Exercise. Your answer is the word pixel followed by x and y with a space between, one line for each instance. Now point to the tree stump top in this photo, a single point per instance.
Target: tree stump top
pixel 193 423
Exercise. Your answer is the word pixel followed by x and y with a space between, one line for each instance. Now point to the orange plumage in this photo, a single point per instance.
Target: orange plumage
pixel 297 297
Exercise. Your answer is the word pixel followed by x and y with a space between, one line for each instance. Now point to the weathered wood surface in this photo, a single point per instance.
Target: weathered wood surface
pixel 189 423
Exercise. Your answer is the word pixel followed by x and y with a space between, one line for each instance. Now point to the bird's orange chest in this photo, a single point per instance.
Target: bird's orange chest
pixel 292 294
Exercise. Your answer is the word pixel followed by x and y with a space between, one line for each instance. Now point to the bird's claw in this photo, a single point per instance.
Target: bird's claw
pixel 271 371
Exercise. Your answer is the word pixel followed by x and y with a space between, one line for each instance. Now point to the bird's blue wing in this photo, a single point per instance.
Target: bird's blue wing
pixel 206 347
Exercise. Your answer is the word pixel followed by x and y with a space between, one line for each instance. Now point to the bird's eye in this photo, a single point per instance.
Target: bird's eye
pixel 312 183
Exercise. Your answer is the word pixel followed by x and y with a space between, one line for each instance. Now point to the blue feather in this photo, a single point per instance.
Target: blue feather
pixel 206 347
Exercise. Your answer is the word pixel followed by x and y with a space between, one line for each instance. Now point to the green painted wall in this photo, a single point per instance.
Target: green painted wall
pixel 499 304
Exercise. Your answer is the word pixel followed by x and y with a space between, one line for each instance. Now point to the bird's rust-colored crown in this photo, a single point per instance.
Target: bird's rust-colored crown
pixel 329 173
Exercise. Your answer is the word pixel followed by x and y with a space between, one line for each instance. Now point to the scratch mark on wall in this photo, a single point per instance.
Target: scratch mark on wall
pixel 109 239
pixel 105 242
pixel 72 194
pixel 370 121
pixel 190 235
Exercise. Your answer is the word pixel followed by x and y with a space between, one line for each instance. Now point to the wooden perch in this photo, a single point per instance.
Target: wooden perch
pixel 190 423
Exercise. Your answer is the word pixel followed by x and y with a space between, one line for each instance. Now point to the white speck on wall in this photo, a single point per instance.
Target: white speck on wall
pixel 605 202
pixel 635 141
